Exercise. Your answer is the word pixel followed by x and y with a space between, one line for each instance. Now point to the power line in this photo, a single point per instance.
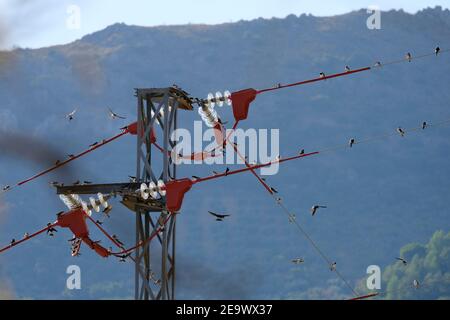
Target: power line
pixel 349 72
pixel 302 230
pixel 317 152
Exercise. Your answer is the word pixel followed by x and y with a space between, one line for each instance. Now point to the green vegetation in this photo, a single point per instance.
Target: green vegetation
pixel 429 264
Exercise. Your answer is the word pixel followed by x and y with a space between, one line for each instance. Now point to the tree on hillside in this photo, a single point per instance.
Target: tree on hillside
pixel 428 264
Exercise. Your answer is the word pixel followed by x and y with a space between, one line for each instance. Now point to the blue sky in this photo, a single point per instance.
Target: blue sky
pixel 34 24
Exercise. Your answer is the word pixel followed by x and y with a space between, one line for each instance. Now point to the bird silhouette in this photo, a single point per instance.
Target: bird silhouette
pixel 51 230
pixel 351 142
pixel 114 115
pixel 219 217
pixel 315 208
pixel 408 56
pixel 437 50
pixel 107 210
pixel 297 260
pixel 401 131
pixel 117 239
pixel 71 115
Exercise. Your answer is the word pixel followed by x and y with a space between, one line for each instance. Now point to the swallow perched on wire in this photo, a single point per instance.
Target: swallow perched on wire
pixel 117 239
pixel 347 69
pixel 424 125
pixel 51 230
pixel 408 56
pixel 107 210
pixel 351 142
pixel 292 218
pixel 437 50
pixel 401 131
pixel 322 75
pixel 333 266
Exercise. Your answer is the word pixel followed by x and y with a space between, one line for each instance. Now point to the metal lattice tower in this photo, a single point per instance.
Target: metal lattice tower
pixel 154 256
pixel 155 261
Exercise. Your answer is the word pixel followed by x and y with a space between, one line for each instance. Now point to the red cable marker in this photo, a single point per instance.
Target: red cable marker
pixel 241 102
pixel 175 191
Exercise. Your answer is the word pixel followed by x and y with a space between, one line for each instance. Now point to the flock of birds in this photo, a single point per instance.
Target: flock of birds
pixel 218 216
pixel 408 57
pixel 70 116
pixel 315 208
pixel 112 115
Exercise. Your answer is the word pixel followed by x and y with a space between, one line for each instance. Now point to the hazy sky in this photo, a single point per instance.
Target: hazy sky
pixel 31 23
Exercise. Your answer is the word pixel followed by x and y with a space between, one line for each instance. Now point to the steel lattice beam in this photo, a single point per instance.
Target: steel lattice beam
pixel 155 262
